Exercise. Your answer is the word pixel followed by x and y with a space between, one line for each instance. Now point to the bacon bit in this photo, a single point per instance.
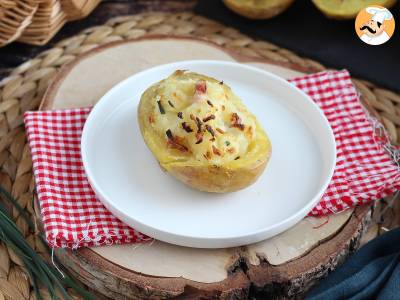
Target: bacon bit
pixel 237 157
pixel 210 117
pixel 187 127
pixel 200 92
pixel 170 104
pixel 177 146
pixel 223 107
pixel 151 119
pixel 210 130
pixel 160 107
pixel 199 137
pixel 231 150
pixel 210 103
pixel 239 126
pixel 235 118
pixel 201 87
pixel 207 155
pixel 236 121
pixel 220 130
pixel 180 116
pixel 176 142
pixel 216 150
pixel 221 82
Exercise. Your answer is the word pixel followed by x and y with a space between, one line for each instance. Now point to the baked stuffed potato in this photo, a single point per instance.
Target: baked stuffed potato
pixel 202 134
pixel 258 9
pixel 343 10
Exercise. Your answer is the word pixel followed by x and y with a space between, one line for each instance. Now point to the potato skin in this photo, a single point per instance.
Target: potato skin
pixel 203 176
pixel 218 179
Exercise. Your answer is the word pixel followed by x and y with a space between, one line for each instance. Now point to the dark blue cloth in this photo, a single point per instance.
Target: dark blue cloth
pixel 306 31
pixel 373 272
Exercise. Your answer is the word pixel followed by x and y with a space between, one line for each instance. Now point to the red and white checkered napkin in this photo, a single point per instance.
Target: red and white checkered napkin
pixel 365 171
pixel 71 214
pixel 73 217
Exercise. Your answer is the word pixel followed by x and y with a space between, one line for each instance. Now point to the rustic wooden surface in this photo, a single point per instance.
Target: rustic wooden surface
pixel 283 266
pixel 24 89
pixel 16 53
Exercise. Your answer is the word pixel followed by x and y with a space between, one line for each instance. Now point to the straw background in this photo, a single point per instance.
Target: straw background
pixel 23 89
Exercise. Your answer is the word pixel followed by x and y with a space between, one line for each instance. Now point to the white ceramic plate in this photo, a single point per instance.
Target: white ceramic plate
pixel 128 180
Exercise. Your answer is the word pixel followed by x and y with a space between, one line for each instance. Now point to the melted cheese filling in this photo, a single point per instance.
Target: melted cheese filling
pixel 208 125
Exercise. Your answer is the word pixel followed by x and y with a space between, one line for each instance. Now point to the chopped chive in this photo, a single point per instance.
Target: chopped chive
pixel 169 134
pixel 210 130
pixel 160 107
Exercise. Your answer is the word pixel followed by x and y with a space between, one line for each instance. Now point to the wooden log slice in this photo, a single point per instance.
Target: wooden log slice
pixel 282 267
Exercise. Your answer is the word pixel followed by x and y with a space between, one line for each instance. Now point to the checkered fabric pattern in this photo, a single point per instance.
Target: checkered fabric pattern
pixel 73 217
pixel 71 214
pixel 364 170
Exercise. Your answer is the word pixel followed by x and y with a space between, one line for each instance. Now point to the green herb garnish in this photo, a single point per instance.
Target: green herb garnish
pixel 160 107
pixel 39 271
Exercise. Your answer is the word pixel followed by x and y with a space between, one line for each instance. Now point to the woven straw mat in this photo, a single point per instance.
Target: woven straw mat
pixel 23 89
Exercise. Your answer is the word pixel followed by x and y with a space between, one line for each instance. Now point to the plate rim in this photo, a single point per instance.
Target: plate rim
pixel 196 241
